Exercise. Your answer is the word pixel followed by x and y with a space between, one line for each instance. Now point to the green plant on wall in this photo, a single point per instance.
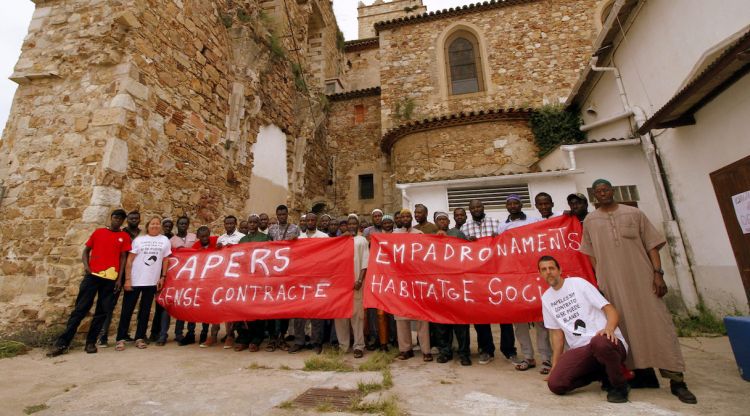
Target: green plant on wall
pixel 553 125
pixel 277 48
pixel 404 109
pixel 325 104
pixel 227 20
pixel 243 15
pixel 340 40
pixel 299 78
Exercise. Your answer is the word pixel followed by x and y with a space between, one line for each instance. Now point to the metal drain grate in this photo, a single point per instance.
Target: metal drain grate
pixel 335 398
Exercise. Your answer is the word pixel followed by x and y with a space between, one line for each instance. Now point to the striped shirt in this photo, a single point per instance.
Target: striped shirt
pixel 484 228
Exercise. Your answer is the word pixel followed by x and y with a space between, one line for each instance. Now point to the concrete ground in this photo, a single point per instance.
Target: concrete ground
pixel 175 380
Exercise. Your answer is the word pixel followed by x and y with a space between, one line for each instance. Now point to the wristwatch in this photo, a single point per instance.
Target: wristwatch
pixel 660 271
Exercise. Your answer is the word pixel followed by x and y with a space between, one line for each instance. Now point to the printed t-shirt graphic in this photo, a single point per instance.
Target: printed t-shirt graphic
pixel 106 246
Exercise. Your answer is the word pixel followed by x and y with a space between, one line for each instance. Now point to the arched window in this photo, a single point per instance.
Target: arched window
pixel 464 63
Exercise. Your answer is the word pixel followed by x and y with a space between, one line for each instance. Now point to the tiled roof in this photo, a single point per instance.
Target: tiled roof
pixel 728 68
pixel 605 139
pixel 366 92
pixel 452 12
pixel 462 178
pixel 462 118
pixel 361 44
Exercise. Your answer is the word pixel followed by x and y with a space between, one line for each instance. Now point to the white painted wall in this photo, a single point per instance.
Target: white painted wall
pixel 657 56
pixel 435 198
pixel 719 138
pixel 666 41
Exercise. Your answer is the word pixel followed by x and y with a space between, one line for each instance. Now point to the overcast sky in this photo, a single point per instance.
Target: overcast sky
pixel 16 15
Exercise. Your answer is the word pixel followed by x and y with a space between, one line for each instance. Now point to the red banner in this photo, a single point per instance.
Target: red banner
pixel 492 280
pixel 307 278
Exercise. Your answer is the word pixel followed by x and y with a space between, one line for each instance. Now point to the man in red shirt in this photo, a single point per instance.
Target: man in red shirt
pixel 103 264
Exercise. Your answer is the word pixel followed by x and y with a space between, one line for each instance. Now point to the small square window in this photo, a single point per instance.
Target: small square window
pixel 366 186
pixel 359 114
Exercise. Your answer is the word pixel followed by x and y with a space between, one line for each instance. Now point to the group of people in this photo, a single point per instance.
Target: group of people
pixel 624 324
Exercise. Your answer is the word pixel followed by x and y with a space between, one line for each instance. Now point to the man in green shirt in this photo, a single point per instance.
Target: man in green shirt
pixel 444 332
pixel 254 235
pixel 420 215
pixel 250 333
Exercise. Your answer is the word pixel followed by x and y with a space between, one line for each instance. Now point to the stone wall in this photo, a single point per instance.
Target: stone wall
pixel 532 53
pixel 380 10
pixel 471 150
pixel 364 68
pixel 357 150
pixel 143 104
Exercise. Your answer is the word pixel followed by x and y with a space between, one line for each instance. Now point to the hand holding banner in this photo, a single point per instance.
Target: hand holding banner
pixel 251 281
pixel 492 280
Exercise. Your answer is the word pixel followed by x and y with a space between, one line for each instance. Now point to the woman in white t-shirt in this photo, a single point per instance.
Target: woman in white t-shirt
pixel 144 275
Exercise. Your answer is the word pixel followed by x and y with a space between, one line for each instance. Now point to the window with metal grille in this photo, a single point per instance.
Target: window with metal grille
pixel 625 194
pixel 366 186
pixel 493 196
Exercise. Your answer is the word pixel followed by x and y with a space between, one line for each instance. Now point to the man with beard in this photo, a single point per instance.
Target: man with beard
pixel 624 247
pixel 377 224
pixel 597 348
pixel 420 215
pixel 482 226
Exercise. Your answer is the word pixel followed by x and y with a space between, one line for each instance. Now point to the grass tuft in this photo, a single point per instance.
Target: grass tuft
pixel 386 407
pixel 35 408
pixel 367 388
pixel 329 361
pixel 284 367
pixel 287 404
pixel 325 407
pixel 387 378
pixel 10 349
pixel 378 361
pixel 703 324
pixel 255 366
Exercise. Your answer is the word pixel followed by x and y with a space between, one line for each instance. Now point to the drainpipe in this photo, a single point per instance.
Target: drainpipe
pixel 627 111
pixel 571 148
pixel 683 274
pixel 405 200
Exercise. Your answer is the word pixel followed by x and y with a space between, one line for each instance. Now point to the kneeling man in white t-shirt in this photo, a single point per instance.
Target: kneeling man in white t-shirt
pixel 574 311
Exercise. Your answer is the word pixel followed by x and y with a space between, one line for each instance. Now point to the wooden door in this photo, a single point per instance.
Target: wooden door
pixel 729 181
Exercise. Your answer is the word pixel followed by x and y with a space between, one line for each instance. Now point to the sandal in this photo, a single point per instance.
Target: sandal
pixel 120 345
pixel 141 344
pixel 271 347
pixel 546 367
pixel 524 365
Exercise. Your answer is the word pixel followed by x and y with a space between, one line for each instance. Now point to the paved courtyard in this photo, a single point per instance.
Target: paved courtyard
pixel 192 381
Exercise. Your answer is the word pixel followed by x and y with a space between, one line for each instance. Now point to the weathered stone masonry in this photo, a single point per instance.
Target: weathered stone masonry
pixel 149 105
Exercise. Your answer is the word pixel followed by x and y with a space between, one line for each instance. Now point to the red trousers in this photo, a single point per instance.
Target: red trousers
pixel 580 366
